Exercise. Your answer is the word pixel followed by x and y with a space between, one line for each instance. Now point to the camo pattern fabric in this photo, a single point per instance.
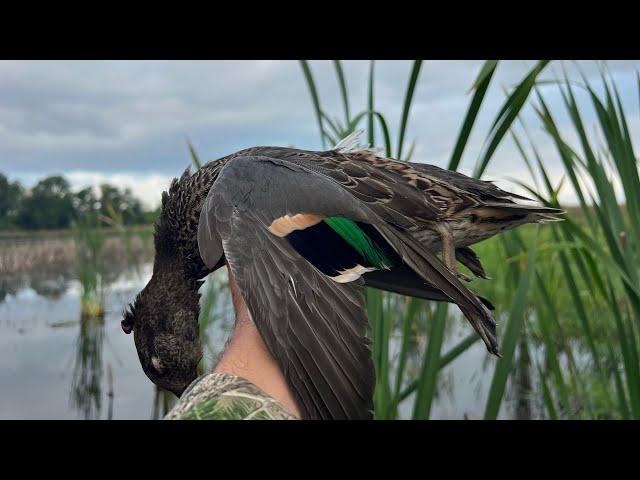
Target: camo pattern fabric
pixel 220 396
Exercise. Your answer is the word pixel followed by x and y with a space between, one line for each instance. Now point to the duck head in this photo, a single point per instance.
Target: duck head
pixel 164 322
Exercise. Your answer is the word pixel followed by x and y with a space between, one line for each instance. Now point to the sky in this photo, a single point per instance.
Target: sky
pixel 126 122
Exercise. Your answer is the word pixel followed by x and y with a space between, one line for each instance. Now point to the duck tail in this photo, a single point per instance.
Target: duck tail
pixel 404 281
pixel 432 270
pixel 520 208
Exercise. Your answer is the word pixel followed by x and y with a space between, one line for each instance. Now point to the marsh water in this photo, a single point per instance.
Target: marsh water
pixel 54 364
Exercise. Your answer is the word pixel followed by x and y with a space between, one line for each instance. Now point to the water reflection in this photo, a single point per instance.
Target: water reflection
pixel 84 362
pixel 86 386
pixel 51 285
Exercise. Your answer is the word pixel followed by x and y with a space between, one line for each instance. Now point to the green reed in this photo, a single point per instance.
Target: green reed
pixel 570 289
pixel 88 370
pixel 601 264
pixel 89 241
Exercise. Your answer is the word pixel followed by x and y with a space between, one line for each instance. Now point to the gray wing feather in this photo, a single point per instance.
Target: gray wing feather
pixel 314 327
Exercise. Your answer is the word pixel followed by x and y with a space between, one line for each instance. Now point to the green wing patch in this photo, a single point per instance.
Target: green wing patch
pixel 359 240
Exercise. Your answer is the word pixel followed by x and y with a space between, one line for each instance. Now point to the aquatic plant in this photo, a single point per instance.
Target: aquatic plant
pixel 89 241
pixel 558 292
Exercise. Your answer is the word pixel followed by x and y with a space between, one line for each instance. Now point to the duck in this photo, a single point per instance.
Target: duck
pixel 303 233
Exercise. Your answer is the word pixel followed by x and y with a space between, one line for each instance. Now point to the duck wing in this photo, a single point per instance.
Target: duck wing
pixel 313 326
pixel 483 189
pixel 492 203
pixel 313 323
pixel 396 183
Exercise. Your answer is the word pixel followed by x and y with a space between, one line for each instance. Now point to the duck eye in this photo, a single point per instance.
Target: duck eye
pixel 127 326
pixel 127 322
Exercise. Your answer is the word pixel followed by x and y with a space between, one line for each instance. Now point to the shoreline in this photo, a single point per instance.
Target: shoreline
pixel 17 234
pixel 53 252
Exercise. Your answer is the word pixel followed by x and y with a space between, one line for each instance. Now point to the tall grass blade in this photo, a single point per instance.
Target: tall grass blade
pixel 623 405
pixel 510 338
pixel 546 326
pixel 630 360
pixel 548 399
pixel 410 313
pixel 480 86
pixel 445 360
pixel 385 133
pixel 306 69
pixel 371 106
pixel 458 349
pixel 194 156
pixel 427 382
pixel 412 148
pixel 380 329
pixel 343 90
pixel 508 113
pixel 413 80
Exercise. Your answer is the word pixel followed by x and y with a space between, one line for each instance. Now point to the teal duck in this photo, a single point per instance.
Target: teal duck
pixel 303 233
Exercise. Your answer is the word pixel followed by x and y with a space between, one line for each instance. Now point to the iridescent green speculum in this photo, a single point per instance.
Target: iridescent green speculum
pixel 359 240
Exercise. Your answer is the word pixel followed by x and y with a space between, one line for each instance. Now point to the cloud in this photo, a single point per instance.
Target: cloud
pixel 129 119
pixel 146 187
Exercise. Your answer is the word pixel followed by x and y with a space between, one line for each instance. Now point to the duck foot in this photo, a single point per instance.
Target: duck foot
pixel 449 251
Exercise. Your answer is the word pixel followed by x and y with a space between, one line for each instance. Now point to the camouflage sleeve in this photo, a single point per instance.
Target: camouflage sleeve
pixel 220 396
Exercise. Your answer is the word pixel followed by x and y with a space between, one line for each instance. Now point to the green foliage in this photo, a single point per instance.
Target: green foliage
pixel 10 197
pixel 480 86
pixel 332 131
pixel 406 109
pixel 51 204
pixel 510 337
pixel 89 266
pixel 122 204
pixel 48 205
pixel 85 203
pixel 507 114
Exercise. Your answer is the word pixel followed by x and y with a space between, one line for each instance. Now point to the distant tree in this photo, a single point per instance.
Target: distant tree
pixel 49 205
pixel 110 200
pixel 85 203
pixel 134 212
pixel 122 204
pixel 11 194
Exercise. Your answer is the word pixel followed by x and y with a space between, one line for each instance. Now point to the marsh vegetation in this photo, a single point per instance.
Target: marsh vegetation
pixel 566 295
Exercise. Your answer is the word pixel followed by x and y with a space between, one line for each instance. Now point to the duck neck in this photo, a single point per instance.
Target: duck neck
pixel 176 238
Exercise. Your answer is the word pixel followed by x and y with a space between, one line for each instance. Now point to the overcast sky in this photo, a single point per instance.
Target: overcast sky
pixel 126 121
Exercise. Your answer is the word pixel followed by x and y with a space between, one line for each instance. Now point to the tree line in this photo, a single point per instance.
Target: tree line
pixel 51 204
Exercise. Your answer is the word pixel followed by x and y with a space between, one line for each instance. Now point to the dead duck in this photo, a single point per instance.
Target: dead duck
pixel 304 232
